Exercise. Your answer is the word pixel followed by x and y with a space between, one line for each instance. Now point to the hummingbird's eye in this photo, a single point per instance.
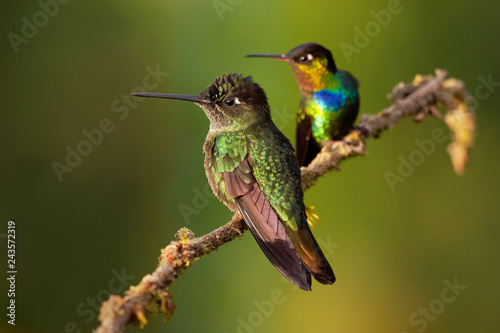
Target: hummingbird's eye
pixel 306 57
pixel 232 101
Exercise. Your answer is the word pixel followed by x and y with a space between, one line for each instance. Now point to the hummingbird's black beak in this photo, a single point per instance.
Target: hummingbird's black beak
pixel 274 56
pixel 190 98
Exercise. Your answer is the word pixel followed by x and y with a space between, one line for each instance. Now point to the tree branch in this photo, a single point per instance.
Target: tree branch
pixel 416 99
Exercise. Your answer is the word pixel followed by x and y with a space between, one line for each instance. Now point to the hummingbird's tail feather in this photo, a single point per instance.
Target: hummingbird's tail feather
pixel 270 234
pixel 312 256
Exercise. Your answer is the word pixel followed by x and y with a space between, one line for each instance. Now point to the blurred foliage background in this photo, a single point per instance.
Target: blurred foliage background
pixel 391 250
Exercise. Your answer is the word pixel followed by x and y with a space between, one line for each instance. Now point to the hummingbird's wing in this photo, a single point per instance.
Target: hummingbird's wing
pixel 307 147
pixel 265 225
pixel 275 169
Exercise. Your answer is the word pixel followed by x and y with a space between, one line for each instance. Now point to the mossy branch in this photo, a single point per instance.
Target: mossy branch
pixel 417 99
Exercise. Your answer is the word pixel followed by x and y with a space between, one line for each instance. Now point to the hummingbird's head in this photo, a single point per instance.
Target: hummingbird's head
pixel 232 102
pixel 310 63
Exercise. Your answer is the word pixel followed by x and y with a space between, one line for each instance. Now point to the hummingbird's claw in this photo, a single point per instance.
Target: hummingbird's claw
pixel 312 217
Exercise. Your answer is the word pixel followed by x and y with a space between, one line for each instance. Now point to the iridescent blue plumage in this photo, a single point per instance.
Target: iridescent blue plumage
pixel 328 108
pixel 329 98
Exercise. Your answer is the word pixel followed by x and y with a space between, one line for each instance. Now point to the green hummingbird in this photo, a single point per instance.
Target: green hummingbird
pixel 329 98
pixel 251 167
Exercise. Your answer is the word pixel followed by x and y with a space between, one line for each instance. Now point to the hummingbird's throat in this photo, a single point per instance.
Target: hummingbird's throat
pixel 312 77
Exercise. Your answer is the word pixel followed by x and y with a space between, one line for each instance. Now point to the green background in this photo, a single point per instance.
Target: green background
pixel 391 250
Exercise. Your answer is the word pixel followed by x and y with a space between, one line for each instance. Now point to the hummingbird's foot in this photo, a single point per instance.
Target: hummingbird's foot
pixel 354 139
pixel 352 142
pixel 362 131
pixel 312 217
pixel 333 144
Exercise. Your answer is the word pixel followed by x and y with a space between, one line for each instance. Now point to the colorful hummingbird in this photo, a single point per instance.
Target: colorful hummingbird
pixel 329 98
pixel 251 167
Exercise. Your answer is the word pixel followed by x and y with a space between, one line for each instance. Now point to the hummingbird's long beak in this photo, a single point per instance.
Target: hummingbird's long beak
pixel 274 56
pixel 190 98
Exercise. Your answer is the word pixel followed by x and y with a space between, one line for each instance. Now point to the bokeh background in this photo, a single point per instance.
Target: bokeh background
pixel 392 249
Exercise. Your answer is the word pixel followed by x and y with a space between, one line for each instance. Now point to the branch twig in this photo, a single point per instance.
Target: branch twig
pixel 416 100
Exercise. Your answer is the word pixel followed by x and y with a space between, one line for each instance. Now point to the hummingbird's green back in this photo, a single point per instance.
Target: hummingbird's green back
pixel 273 164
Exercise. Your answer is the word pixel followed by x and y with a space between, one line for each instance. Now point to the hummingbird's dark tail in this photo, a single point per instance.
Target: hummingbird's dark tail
pixel 275 243
pixel 312 256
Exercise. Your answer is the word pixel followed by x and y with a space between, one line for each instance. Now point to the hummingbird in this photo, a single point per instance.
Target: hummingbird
pixel 252 168
pixel 329 98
